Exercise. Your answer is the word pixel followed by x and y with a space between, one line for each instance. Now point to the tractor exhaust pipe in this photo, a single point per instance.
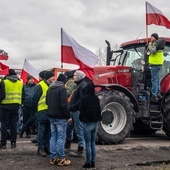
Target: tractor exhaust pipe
pixel 109 53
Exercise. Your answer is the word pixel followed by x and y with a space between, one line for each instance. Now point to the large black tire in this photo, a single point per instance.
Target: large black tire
pixel 166 115
pixel 117 117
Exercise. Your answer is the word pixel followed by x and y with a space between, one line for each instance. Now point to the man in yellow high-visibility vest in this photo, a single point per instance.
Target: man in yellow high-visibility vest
pixel 12 89
pixel 39 105
pixel 156 58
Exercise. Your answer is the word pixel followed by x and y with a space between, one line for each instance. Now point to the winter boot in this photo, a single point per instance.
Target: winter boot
pixel 68 144
pixel 41 152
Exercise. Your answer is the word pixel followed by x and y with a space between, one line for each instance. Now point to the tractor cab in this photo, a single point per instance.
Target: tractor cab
pixel 134 56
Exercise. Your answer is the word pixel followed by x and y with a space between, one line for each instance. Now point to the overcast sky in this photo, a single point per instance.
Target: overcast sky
pixel 30 29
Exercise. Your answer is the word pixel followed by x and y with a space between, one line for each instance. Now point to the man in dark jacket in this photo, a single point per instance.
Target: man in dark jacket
pixel 12 90
pixel 27 109
pixel 74 108
pixel 58 113
pixel 39 105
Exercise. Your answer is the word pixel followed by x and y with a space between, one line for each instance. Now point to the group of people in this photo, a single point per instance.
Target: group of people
pixel 61 108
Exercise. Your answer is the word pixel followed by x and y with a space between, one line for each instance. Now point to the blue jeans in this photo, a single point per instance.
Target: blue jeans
pixel 58 136
pixel 44 132
pixel 19 124
pixel 78 128
pixel 90 132
pixel 43 135
pixel 9 119
pixel 155 80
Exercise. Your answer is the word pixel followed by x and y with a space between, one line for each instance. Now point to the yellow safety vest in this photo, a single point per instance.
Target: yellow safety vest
pixel 13 92
pixel 156 58
pixel 42 101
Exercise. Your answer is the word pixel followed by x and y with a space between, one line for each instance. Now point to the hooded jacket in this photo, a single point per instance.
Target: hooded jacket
pixel 56 99
pixel 90 110
pixel 78 91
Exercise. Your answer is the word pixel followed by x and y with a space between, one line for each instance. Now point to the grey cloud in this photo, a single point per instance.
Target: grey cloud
pixel 31 29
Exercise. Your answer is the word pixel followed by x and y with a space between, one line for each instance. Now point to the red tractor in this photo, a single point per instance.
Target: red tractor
pixel 123 87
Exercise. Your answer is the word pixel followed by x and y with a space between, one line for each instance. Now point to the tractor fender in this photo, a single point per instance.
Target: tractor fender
pixel 122 89
pixel 165 84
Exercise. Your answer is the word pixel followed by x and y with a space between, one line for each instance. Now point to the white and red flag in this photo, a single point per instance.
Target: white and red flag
pixel 3 55
pixel 155 16
pixel 4 69
pixel 74 53
pixel 28 69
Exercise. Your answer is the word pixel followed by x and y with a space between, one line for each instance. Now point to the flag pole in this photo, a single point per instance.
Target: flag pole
pixel 61 47
pixel 24 63
pixel 146 23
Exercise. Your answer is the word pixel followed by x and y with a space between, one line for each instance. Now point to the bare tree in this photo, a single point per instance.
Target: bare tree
pixel 102 54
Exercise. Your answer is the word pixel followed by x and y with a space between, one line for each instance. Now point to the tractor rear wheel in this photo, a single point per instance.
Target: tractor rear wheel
pixel 166 115
pixel 117 117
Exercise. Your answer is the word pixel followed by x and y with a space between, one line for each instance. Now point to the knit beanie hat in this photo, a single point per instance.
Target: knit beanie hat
pixel 41 74
pixel 12 72
pixel 69 74
pixel 155 35
pixel 48 74
pixel 29 77
pixel 62 78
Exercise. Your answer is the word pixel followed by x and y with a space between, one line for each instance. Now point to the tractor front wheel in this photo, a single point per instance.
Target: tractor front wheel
pixel 117 117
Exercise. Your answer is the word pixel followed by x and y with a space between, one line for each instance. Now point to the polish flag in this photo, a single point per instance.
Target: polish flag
pixel 4 69
pixel 155 16
pixel 3 55
pixel 28 69
pixel 73 53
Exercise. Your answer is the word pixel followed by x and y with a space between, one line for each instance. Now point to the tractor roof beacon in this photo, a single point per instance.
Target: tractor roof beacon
pixel 123 87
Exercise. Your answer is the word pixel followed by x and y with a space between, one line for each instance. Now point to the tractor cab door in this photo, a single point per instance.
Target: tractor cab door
pixel 134 57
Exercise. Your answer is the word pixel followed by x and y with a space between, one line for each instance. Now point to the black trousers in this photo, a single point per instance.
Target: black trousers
pixel 9 118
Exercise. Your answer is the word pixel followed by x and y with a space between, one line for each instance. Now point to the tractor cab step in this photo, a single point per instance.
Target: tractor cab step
pixel 155 101
pixel 155 111
pixel 156 125
pixel 156 120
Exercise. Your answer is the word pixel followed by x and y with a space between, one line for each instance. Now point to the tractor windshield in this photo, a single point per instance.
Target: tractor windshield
pixel 134 57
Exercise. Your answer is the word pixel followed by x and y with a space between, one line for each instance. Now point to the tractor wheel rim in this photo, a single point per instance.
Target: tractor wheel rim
pixel 119 118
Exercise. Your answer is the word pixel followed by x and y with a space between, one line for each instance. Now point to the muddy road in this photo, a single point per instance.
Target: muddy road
pixel 137 152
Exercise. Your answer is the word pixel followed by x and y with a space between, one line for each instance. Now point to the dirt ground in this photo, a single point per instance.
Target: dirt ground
pixel 136 153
